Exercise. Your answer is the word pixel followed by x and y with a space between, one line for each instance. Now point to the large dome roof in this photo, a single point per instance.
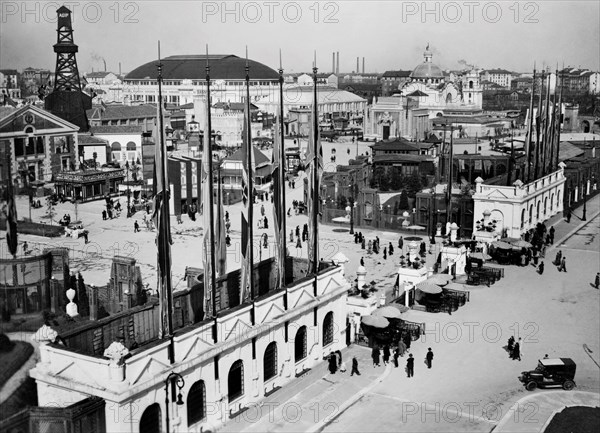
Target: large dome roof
pixel 222 67
pixel 427 70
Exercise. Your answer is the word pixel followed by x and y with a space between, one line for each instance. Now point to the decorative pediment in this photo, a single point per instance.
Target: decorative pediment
pixel 73 371
pixel 30 119
pixel 273 313
pixel 332 284
pixel 198 346
pixel 304 297
pixel 496 194
pixel 239 328
pixel 149 370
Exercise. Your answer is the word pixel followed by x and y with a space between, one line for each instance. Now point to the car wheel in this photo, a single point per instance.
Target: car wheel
pixel 531 386
pixel 568 385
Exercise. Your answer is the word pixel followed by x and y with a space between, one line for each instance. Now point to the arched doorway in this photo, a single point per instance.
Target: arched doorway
pixel 585 125
pixel 235 381
pixel 270 361
pixel 300 344
pixel 328 329
pixel 537 214
pixel 545 205
pixel 196 403
pixel 151 420
pixel 523 218
pixel 530 214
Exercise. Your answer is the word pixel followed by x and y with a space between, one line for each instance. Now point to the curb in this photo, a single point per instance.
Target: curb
pixel 575 230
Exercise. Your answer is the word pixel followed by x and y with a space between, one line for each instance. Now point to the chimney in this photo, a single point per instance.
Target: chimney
pixel 333 64
pixel 357 65
pixel 363 65
pixel 119 69
pixel 337 64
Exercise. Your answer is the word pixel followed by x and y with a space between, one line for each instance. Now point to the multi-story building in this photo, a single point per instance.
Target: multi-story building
pixel 502 77
pixel 143 115
pixel 9 84
pixel 575 80
pixel 184 79
pixel 392 81
pixel 41 144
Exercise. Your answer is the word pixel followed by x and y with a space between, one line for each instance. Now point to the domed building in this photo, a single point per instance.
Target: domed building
pixel 184 79
pixel 428 94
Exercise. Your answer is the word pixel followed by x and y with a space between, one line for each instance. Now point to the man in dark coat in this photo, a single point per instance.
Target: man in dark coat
pixel 516 352
pixel 386 354
pixel 375 355
pixel 410 366
pixel 332 363
pixel 396 355
pixel 429 357
pixel 354 367
pixel 400 243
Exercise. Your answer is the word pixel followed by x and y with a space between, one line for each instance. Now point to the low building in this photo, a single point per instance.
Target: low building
pixel 502 77
pixel 520 207
pixel 143 115
pixel 89 184
pixel 41 144
pixel 392 81
pixel 232 169
pixel 125 142
pixel 226 365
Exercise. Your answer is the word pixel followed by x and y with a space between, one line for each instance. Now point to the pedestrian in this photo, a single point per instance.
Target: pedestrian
pixel 535 256
pixel 386 354
pixel 354 367
pixel 400 243
pixel 332 363
pixel 540 269
pixel 85 236
pixel 407 340
pixel 563 265
pixel 297 231
pixel 557 259
pixel 597 281
pixel 391 249
pixel 568 215
pixel 510 346
pixel 298 243
pixel 375 355
pixel 262 210
pixel 410 366
pixel 292 235
pixel 429 358
pixel 362 245
pixel 265 223
pixel 362 263
pixel 516 352
pixel 136 227
pixel 401 349
pixel 551 231
pixel 384 253
pixel 104 215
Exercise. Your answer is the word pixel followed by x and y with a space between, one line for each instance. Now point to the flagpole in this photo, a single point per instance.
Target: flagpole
pixel 538 128
pixel 529 131
pixel 165 229
pixel 281 180
pixel 546 127
pixel 208 130
pixel 250 185
pixel 558 122
pixel 315 173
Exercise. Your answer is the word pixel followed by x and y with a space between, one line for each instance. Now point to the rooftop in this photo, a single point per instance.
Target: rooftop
pixel 222 67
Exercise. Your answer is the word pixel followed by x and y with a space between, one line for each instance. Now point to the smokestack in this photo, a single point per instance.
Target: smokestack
pixel 363 65
pixel 337 64
pixel 104 65
pixel 119 69
pixel 333 64
pixel 357 65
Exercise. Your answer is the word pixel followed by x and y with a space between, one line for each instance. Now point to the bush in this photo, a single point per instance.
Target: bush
pixel 5 344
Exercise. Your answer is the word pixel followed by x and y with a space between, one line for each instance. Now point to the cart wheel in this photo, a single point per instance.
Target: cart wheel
pixel 568 385
pixel 531 386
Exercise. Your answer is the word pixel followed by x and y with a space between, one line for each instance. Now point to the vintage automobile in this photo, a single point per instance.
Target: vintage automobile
pixel 75 231
pixel 549 373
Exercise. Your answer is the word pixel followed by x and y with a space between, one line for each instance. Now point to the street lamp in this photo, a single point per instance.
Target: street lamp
pixel 584 193
pixel 127 190
pixel 173 379
pixel 352 205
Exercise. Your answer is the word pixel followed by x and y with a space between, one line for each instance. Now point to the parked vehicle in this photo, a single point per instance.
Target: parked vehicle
pixel 549 373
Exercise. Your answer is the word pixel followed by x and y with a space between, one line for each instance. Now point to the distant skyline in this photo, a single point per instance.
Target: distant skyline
pixel 389 34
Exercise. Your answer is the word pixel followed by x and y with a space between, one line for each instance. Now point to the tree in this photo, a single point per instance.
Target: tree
pixel 84 302
pixel 404 200
pixel 50 213
pixel 395 178
pixel 396 207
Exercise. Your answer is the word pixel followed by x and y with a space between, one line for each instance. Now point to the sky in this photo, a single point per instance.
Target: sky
pixel 388 34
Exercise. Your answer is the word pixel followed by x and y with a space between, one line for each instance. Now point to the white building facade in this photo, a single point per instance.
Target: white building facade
pixel 294 329
pixel 516 209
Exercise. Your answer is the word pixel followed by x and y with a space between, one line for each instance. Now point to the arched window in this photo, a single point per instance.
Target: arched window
pixel 551 202
pixel 131 146
pixel 522 218
pixel 116 146
pixel 196 403
pixel 150 421
pixel 530 214
pixel 328 329
pixel 270 361
pixel 545 205
pixel 537 214
pixel 235 380
pixel 470 84
pixel 449 98
pixel 300 344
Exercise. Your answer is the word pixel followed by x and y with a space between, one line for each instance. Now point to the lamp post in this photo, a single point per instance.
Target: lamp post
pixel 584 193
pixel 352 204
pixel 173 379
pixel 127 190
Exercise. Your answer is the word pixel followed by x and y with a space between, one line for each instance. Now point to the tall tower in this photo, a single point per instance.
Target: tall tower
pixel 67 101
